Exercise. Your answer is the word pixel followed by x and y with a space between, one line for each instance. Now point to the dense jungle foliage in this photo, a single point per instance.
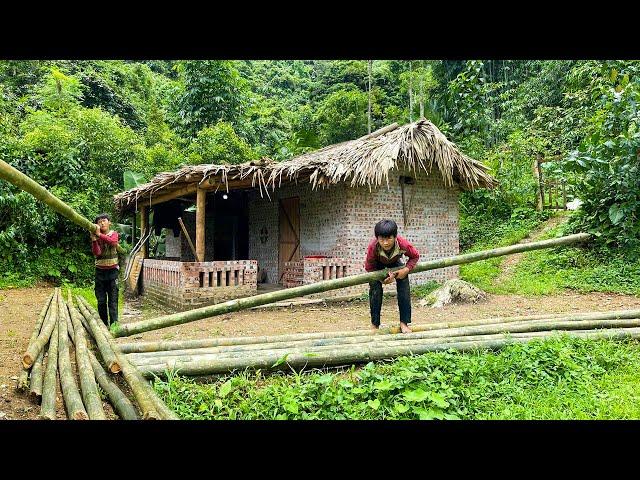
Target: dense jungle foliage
pixel 77 126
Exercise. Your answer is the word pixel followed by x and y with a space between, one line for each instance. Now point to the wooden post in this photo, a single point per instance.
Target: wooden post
pixel 200 224
pixel 538 171
pixel 144 226
pixel 133 229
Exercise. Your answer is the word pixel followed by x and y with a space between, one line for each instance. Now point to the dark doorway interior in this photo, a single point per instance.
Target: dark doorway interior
pixel 231 225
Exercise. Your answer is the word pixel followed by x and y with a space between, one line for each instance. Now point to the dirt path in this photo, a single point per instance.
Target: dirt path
pixel 508 264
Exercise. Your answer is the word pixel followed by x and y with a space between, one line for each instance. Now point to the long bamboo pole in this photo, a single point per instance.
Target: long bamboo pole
pixel 121 404
pixel 361 354
pixel 153 346
pixel 142 392
pixel 35 347
pixel 50 381
pixel 72 400
pixel 101 340
pixel 265 298
pixel 36 377
pixel 160 407
pixel 23 380
pixel 257 349
pixel 88 385
pixel 22 181
pixel 119 400
pixel 50 384
pixel 321 345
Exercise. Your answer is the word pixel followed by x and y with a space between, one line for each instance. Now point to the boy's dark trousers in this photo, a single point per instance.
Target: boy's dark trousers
pixel 404 297
pixel 107 286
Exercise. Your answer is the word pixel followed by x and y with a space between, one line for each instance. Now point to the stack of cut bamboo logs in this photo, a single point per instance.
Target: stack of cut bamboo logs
pixel 222 355
pixel 47 360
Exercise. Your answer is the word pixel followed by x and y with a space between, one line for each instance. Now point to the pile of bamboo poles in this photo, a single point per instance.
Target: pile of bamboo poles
pixel 47 363
pixel 223 355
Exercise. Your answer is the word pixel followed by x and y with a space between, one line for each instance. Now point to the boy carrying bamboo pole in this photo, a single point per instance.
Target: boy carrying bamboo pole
pixel 104 243
pixel 384 251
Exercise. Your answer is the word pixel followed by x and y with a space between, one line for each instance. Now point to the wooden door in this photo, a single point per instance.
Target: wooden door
pixel 289 239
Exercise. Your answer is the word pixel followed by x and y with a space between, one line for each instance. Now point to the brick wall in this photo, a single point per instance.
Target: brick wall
pixel 322 219
pixel 181 286
pixel 338 221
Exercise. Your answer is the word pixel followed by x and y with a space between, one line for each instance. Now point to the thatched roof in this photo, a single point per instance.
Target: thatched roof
pixel 366 161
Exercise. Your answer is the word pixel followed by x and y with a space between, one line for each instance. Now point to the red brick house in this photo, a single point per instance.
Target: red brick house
pixel 303 220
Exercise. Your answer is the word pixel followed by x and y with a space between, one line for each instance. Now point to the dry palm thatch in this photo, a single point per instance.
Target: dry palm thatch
pixel 366 161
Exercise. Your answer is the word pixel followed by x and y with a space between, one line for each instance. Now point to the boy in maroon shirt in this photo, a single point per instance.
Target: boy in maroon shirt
pixel 104 247
pixel 385 251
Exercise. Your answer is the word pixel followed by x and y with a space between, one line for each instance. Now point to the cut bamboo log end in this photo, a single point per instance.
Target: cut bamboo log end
pixel 23 380
pixel 41 340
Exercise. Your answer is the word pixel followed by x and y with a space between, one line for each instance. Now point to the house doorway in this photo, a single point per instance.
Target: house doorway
pixel 289 239
pixel 230 226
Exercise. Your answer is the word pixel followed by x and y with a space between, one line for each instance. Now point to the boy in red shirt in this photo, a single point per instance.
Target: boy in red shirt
pixel 103 245
pixel 385 251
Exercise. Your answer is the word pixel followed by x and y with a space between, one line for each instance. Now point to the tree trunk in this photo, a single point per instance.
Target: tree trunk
pixel 35 347
pixel 88 385
pixel 360 354
pixel 72 400
pixel 265 298
pixel 410 92
pixel 23 381
pixel 369 92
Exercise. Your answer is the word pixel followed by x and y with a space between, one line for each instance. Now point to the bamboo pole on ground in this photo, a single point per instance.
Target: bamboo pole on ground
pixel 36 377
pixel 35 347
pixel 134 375
pixel 256 349
pixel 88 385
pixel 121 404
pixel 361 354
pixel 49 387
pixel 139 347
pixel 129 372
pixel 165 412
pixel 72 400
pixel 265 298
pixel 101 340
pixel 396 339
pixel 23 380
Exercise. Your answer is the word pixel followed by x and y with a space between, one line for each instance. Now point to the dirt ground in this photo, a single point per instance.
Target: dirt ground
pixel 19 309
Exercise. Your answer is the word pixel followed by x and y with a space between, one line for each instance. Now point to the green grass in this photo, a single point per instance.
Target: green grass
pixel 556 378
